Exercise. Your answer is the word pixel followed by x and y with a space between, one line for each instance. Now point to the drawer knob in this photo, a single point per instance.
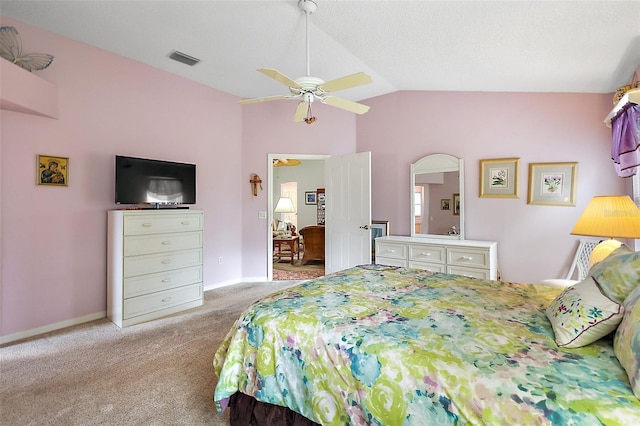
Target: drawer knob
pixel 185 222
pixel 426 254
pixel 391 251
pixel 166 262
pixel 466 258
pixel 166 299
pixel 166 243
pixel 166 280
pixel 147 225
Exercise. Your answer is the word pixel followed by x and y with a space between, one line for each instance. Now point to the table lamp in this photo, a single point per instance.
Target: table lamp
pixel 609 217
pixel 284 206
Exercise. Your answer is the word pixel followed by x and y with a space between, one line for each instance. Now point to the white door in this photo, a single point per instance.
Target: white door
pixel 348 211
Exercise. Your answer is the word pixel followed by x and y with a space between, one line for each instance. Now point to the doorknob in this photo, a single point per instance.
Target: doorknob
pixel 364 227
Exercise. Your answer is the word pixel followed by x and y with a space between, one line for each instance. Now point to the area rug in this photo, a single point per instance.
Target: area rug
pixel 283 270
pixel 280 275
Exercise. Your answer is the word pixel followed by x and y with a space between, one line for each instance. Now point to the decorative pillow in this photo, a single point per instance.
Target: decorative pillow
pixel 626 343
pixel 582 314
pixel 618 274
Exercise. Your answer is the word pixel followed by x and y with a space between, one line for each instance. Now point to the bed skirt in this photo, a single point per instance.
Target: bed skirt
pixel 247 411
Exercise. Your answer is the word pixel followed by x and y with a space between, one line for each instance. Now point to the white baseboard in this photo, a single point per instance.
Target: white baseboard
pixel 51 327
pixel 98 315
pixel 232 282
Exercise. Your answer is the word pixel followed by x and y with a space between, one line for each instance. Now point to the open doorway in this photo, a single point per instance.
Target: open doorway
pixel 294 180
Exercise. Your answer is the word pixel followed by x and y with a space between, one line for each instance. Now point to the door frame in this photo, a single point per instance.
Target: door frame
pixel 270 203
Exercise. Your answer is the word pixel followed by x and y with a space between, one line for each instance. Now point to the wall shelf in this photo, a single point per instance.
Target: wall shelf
pixel 631 97
pixel 25 92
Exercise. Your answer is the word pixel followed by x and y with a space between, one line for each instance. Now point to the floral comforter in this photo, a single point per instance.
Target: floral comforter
pixel 395 346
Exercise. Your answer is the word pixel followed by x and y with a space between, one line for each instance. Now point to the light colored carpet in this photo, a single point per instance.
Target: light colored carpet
pixel 156 373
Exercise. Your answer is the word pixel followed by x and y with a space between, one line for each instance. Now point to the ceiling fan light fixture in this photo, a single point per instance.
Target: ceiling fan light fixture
pixel 308 89
pixel 309 119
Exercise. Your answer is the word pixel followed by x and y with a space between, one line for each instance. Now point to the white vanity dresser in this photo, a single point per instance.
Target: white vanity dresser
pixel 478 259
pixel 437 241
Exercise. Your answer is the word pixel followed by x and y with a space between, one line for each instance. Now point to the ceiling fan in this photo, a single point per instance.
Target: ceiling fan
pixel 309 89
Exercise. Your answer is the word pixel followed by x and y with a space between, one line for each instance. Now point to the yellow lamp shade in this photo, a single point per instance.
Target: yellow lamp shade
pixel 609 217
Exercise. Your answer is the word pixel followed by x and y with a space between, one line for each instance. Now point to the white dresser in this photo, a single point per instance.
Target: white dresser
pixel 154 263
pixel 478 259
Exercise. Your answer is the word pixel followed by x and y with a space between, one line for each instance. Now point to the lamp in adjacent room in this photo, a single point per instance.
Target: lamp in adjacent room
pixel 284 206
pixel 609 217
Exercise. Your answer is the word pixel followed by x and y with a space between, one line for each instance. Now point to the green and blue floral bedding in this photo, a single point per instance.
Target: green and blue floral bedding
pixel 395 346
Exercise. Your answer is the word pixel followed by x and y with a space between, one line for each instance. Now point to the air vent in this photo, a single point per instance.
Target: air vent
pixel 184 58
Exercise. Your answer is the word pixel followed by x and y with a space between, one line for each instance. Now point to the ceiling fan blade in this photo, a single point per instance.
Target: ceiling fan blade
pixel 279 77
pixel 346 104
pixel 301 111
pixel 265 99
pixel 347 82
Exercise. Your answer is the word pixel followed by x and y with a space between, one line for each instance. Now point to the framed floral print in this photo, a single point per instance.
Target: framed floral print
pixel 52 170
pixel 552 184
pixel 499 178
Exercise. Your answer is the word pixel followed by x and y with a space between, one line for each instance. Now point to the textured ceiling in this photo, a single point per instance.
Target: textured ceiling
pixel 523 46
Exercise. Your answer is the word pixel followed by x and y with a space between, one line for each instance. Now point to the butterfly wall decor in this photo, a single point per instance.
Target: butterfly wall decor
pixel 11 50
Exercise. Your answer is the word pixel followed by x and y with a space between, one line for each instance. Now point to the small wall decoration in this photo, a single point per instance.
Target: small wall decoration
pixel 310 197
pixel 552 184
pixel 456 204
pixel 379 228
pixel 52 170
pixel 445 204
pixel 11 50
pixel 499 178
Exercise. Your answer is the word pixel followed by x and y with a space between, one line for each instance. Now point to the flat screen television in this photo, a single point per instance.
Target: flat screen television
pixel 154 182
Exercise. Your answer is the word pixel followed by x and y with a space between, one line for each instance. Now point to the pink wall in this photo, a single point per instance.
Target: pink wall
pixel 53 251
pixel 54 239
pixel 533 241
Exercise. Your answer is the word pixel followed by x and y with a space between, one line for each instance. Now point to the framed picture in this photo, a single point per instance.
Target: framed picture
pixel 552 184
pixel 379 228
pixel 52 170
pixel 445 204
pixel 456 204
pixel 310 197
pixel 499 178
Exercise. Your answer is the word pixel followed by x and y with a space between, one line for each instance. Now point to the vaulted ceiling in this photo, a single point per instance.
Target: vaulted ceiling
pixel 523 46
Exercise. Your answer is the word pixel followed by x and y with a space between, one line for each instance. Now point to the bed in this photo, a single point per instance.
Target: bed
pixel 397 346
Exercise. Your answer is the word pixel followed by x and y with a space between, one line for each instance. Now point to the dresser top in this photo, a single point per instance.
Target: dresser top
pixel 438 241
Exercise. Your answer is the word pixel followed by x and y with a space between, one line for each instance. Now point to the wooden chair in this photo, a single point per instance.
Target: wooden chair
pixel 313 237
pixel 580 265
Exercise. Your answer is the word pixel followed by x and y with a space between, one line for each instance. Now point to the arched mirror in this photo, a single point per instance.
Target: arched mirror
pixel 437 201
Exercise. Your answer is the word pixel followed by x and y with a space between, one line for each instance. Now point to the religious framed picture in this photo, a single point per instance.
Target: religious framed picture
pixel 52 170
pixel 445 204
pixel 499 178
pixel 552 184
pixel 456 204
pixel 310 197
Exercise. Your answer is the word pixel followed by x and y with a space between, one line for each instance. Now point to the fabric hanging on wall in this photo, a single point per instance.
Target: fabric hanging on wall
pixel 625 145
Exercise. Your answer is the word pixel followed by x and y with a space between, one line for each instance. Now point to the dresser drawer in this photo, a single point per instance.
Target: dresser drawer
pixel 468 257
pixel 151 263
pixel 392 251
pixel 469 272
pixel 390 261
pixel 144 284
pixel 431 267
pixel 161 243
pixel 158 223
pixel 141 305
pixel 431 254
